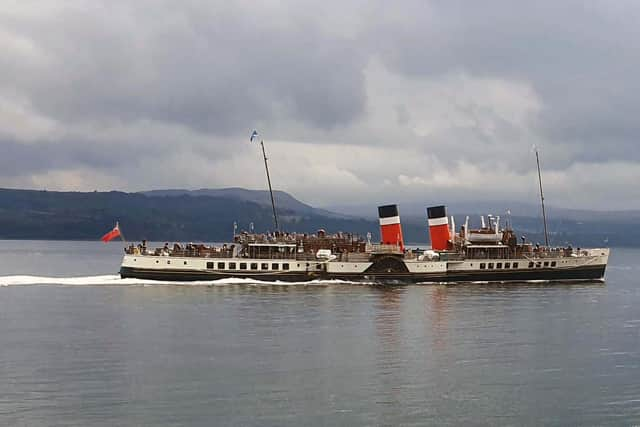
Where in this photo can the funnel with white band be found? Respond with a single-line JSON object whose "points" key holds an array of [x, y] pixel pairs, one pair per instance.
{"points": [[438, 227], [390, 228]]}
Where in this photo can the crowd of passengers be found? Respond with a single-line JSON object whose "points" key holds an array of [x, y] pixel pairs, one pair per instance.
{"points": [[281, 236], [189, 249], [202, 250]]}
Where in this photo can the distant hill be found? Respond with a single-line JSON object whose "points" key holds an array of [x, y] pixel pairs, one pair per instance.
{"points": [[282, 199], [209, 215], [175, 215]]}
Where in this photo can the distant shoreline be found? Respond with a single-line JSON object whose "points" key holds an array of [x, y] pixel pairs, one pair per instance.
{"points": [[210, 215]]}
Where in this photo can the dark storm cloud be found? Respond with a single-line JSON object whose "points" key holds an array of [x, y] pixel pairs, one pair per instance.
{"points": [[214, 69]]}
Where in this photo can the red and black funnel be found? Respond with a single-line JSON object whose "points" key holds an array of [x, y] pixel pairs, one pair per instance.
{"points": [[390, 228], [438, 227]]}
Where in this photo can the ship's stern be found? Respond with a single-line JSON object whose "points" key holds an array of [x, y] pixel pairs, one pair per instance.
{"points": [[127, 267]]}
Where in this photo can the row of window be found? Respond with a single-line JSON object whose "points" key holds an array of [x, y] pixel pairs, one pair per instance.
{"points": [[498, 265], [251, 266], [285, 266], [483, 265], [540, 264]]}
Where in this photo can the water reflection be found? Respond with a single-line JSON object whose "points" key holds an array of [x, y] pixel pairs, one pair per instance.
{"points": [[387, 315], [438, 312], [390, 357]]}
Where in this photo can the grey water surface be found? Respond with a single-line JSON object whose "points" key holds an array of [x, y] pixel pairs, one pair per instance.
{"points": [[79, 347]]}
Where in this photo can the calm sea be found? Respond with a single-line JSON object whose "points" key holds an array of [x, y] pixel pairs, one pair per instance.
{"points": [[80, 347]]}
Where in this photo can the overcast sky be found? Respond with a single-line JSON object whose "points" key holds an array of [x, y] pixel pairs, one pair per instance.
{"points": [[358, 102]]}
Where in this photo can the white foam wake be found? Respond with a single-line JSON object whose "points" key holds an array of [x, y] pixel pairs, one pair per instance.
{"points": [[109, 280], [115, 280]]}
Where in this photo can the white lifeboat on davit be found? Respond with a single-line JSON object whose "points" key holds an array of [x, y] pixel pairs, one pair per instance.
{"points": [[487, 234]]}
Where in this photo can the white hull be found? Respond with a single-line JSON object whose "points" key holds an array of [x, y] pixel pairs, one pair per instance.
{"points": [[589, 265]]}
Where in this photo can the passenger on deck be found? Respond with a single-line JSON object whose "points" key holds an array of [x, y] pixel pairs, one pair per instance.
{"points": [[201, 249]]}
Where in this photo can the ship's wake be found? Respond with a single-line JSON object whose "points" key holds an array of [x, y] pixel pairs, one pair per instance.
{"points": [[115, 280]]}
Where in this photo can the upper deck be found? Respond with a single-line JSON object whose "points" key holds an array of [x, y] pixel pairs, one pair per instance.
{"points": [[348, 247]]}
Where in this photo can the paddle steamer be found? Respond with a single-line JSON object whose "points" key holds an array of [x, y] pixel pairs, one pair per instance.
{"points": [[486, 254]]}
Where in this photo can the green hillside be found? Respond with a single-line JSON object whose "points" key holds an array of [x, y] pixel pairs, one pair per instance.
{"points": [[209, 215]]}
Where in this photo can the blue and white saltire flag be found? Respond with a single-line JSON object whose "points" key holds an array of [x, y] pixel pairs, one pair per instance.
{"points": [[253, 135]]}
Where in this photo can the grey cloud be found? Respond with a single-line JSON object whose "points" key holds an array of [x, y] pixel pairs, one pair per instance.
{"points": [[21, 159], [155, 80], [580, 58], [211, 68]]}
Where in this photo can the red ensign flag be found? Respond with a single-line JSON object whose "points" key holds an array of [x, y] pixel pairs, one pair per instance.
{"points": [[112, 234]]}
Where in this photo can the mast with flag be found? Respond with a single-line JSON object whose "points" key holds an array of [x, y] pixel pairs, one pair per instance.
{"points": [[254, 135]]}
